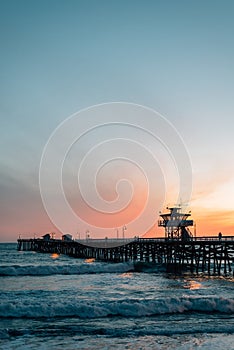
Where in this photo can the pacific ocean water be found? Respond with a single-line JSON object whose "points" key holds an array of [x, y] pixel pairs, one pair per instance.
{"points": [[51, 301]]}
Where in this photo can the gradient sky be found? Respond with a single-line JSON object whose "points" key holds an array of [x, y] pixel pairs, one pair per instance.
{"points": [[58, 57]]}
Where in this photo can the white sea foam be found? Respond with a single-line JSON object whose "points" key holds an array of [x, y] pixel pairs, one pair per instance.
{"points": [[124, 308], [84, 268], [204, 342]]}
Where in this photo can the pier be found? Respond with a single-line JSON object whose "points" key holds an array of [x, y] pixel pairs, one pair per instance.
{"points": [[178, 251], [202, 254]]}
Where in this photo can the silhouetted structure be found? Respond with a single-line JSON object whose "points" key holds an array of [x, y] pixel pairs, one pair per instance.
{"points": [[176, 224], [46, 237], [202, 254]]}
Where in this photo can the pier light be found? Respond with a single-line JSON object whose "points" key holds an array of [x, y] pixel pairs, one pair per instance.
{"points": [[117, 233], [87, 235], [124, 228]]}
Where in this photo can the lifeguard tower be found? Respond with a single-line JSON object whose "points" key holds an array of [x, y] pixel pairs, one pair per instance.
{"points": [[176, 224]]}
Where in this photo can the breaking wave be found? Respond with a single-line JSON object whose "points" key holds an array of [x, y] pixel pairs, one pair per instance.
{"points": [[84, 268], [124, 308]]}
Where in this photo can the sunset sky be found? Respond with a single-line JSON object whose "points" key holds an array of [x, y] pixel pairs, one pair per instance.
{"points": [[58, 57]]}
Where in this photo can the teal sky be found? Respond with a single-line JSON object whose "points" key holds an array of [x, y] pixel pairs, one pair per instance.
{"points": [[58, 57]]}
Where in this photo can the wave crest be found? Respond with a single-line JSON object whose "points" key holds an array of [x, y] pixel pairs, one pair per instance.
{"points": [[125, 308], [45, 270]]}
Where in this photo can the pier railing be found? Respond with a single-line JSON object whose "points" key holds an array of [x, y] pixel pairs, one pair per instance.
{"points": [[197, 238]]}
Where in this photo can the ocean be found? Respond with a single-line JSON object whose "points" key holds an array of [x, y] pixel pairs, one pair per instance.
{"points": [[51, 301]]}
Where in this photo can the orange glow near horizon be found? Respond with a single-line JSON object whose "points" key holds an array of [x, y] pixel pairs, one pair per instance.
{"points": [[112, 219], [208, 223], [210, 220]]}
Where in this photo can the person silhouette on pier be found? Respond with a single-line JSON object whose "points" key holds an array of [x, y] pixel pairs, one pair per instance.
{"points": [[220, 236]]}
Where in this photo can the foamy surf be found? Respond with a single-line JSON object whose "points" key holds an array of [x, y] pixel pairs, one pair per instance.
{"points": [[123, 308], [84, 268]]}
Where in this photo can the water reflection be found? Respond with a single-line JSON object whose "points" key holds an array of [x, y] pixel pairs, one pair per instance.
{"points": [[90, 260], [126, 275], [191, 284], [54, 256]]}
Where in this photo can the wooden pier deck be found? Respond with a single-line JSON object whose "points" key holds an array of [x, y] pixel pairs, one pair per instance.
{"points": [[201, 254]]}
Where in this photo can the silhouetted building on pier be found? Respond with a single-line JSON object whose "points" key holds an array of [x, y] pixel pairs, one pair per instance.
{"points": [[176, 224]]}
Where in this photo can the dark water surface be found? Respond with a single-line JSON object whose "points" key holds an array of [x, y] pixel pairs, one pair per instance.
{"points": [[57, 302]]}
